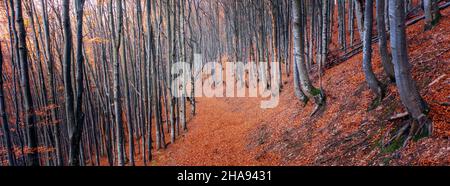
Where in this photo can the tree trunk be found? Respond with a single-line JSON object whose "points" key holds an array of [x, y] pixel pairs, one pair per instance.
{"points": [[359, 17], [325, 25], [30, 118], [409, 93], [371, 79], [384, 53], [432, 13], [306, 85], [51, 83], [351, 19], [117, 37], [6, 134], [77, 129]]}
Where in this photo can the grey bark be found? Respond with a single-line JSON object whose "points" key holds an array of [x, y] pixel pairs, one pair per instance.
{"points": [[325, 25], [51, 82], [371, 79], [77, 129], [30, 118], [409, 93], [127, 96], [4, 115], [432, 13], [359, 17], [308, 89], [117, 37], [384, 53]]}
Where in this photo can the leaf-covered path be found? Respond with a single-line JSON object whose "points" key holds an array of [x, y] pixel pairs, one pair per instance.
{"points": [[217, 135]]}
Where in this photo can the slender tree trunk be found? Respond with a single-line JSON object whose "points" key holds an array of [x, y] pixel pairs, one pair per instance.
{"points": [[51, 83], [183, 59], [432, 14], [371, 79], [169, 75], [6, 133], [384, 53], [351, 19], [117, 37], [67, 64], [143, 84], [30, 117], [359, 17], [127, 95], [324, 43]]}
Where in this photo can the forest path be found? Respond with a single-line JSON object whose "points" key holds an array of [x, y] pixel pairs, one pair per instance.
{"points": [[216, 135]]}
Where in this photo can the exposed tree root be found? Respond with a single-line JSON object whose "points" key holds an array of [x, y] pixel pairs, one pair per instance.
{"points": [[380, 95], [375, 103], [319, 100], [398, 116], [305, 101], [415, 129]]}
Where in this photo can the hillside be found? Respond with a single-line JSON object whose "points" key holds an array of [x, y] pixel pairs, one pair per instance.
{"points": [[235, 131]]}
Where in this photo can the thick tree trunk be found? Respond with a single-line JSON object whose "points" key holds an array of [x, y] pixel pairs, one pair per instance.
{"points": [[77, 128], [306, 86], [275, 40], [409, 93]]}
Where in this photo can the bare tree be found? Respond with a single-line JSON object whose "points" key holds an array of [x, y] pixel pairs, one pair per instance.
{"points": [[3, 114], [51, 81], [409, 93], [117, 35], [371, 79], [382, 36], [30, 118], [308, 89], [432, 14]]}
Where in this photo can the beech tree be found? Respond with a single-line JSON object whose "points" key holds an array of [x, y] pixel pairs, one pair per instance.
{"points": [[28, 105], [382, 36], [432, 13], [407, 88], [117, 36], [299, 60], [51, 81], [371, 79], [6, 133]]}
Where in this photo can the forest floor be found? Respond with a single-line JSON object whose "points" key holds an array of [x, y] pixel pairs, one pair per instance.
{"points": [[236, 131]]}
